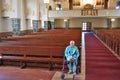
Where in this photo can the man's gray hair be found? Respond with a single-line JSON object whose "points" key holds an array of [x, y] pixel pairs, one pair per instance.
{"points": [[72, 41]]}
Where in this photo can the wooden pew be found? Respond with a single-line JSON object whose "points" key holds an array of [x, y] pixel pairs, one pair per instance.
{"points": [[45, 48], [39, 43], [52, 34], [111, 37], [26, 54]]}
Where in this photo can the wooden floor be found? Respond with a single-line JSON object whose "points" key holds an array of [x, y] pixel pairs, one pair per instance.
{"points": [[15, 73], [12, 71]]}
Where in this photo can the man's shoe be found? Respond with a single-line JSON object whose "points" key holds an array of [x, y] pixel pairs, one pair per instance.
{"points": [[74, 73], [69, 72]]}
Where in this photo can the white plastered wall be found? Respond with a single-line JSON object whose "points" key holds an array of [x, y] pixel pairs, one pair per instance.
{"points": [[59, 23], [115, 24], [6, 25], [16, 10], [97, 22], [32, 12], [5, 12], [43, 12], [77, 22], [22, 14], [31, 9]]}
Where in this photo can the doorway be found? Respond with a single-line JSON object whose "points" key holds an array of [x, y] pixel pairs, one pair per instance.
{"points": [[86, 26]]}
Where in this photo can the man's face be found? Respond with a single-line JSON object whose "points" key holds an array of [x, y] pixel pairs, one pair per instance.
{"points": [[72, 43]]}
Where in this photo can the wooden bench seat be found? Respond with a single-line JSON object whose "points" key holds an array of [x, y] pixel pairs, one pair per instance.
{"points": [[63, 35], [110, 37], [30, 53], [47, 47], [11, 58], [45, 38], [25, 54], [59, 31], [39, 43]]}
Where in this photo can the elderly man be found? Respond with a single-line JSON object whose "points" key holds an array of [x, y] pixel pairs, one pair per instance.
{"points": [[72, 54]]}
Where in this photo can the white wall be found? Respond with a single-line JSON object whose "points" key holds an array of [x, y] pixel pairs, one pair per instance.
{"points": [[13, 10], [22, 14], [116, 23], [29, 24], [6, 8], [18, 9], [31, 9], [36, 9], [59, 23], [6, 25], [97, 22], [43, 12], [77, 22]]}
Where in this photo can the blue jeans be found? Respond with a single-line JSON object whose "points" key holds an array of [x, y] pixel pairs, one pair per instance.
{"points": [[72, 66]]}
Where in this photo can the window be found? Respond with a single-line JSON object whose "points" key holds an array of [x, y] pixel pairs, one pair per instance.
{"points": [[58, 6], [118, 5], [84, 26]]}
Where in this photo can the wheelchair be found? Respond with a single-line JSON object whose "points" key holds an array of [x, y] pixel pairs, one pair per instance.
{"points": [[78, 67]]}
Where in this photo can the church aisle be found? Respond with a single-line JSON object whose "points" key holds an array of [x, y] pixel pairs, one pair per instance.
{"points": [[101, 64]]}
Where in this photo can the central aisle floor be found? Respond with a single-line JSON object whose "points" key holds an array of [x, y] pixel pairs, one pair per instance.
{"points": [[101, 64]]}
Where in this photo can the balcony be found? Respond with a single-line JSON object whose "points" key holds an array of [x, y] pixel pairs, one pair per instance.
{"points": [[84, 13]]}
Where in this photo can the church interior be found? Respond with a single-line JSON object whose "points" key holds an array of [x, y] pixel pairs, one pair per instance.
{"points": [[35, 33]]}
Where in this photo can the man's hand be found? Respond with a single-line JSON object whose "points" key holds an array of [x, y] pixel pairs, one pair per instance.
{"points": [[69, 58]]}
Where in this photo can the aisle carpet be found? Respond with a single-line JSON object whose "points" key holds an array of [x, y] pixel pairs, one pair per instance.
{"points": [[101, 64]]}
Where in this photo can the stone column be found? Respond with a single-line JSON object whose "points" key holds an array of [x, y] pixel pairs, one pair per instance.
{"points": [[47, 25], [35, 25], [109, 23], [44, 15], [16, 26], [52, 25]]}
